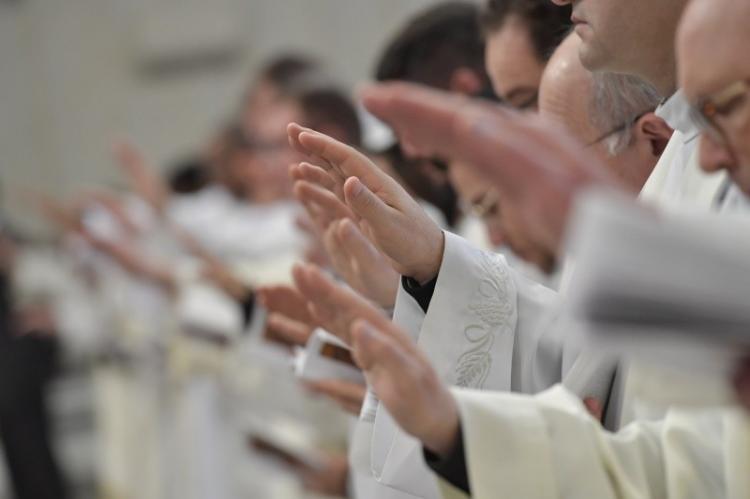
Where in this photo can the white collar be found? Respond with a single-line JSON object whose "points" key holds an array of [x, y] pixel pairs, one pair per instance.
{"points": [[678, 114]]}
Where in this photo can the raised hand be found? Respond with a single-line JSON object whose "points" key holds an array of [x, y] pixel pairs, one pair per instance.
{"points": [[349, 396], [360, 264], [531, 162], [386, 213], [405, 382], [143, 179], [331, 305], [289, 322]]}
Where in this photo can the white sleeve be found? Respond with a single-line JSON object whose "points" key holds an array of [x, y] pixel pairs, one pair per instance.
{"points": [[547, 446], [478, 309]]}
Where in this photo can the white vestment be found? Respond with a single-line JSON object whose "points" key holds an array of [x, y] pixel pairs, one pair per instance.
{"points": [[548, 447], [487, 327]]}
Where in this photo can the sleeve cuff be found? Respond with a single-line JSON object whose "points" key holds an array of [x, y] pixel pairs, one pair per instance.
{"points": [[451, 468], [421, 293]]}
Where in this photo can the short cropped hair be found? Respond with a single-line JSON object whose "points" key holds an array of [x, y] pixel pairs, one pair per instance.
{"points": [[433, 45], [548, 23], [617, 102], [284, 70], [328, 105]]}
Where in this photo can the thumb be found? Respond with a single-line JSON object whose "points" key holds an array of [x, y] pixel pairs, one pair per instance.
{"points": [[365, 203], [355, 243], [377, 352]]}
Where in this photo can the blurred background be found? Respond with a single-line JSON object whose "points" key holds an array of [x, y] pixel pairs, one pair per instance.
{"points": [[95, 392], [81, 74]]}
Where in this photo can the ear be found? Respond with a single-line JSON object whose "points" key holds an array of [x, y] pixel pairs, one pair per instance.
{"points": [[655, 130], [465, 81]]}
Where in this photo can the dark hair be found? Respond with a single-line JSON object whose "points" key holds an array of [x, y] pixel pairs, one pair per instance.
{"points": [[548, 24], [283, 71], [327, 106], [433, 45], [412, 172], [189, 176]]}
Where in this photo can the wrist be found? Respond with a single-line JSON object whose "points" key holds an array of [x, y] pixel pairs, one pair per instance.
{"points": [[441, 439], [431, 266]]}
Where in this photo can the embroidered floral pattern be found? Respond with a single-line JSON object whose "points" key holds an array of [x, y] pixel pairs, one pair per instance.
{"points": [[494, 306]]}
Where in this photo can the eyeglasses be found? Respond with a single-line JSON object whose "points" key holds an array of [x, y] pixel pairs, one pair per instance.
{"points": [[486, 206], [619, 129], [720, 105]]}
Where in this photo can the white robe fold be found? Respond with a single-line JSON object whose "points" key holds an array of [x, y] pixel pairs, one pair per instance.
{"points": [[547, 446]]}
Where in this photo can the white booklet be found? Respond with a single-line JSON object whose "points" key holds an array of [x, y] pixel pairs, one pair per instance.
{"points": [[673, 287]]}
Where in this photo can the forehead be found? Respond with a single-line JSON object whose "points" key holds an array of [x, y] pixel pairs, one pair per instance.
{"points": [[511, 58], [711, 51]]}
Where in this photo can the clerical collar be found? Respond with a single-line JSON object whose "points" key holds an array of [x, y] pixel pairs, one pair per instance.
{"points": [[678, 114]]}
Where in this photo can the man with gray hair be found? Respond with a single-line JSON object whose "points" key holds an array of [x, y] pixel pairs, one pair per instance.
{"points": [[611, 113]]}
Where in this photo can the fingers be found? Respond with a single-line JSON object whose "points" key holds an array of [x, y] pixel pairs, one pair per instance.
{"points": [[282, 329], [285, 300], [349, 396], [375, 349], [323, 206], [354, 243], [347, 160], [293, 132], [334, 306], [313, 174], [339, 258], [366, 204]]}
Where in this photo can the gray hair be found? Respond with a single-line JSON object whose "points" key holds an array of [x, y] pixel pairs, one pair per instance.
{"points": [[617, 102]]}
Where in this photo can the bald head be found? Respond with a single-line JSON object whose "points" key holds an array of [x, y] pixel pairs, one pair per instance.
{"points": [[565, 91], [712, 44], [608, 113]]}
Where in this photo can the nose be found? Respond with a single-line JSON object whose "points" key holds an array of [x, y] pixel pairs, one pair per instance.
{"points": [[715, 156]]}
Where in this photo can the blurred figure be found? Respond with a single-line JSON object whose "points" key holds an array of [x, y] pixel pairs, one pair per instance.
{"points": [[521, 36], [440, 47], [28, 353], [274, 81]]}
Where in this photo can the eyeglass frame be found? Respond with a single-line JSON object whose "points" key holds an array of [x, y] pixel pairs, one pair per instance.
{"points": [[719, 103], [620, 128]]}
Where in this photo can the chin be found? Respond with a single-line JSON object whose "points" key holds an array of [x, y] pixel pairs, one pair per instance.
{"points": [[591, 57]]}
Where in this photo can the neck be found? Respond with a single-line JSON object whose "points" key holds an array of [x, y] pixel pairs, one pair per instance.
{"points": [[663, 74]]}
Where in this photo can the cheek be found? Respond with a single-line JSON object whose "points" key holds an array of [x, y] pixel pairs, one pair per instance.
{"points": [[741, 139]]}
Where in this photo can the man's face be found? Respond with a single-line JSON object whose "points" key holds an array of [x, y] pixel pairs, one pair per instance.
{"points": [[712, 58], [513, 65], [474, 192], [629, 36]]}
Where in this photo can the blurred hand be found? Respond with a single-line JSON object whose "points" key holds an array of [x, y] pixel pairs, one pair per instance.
{"points": [[332, 306], [143, 179], [213, 268], [330, 480], [289, 332], [360, 264], [134, 262], [289, 321], [287, 301], [405, 382], [531, 162], [391, 219], [349, 396]]}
